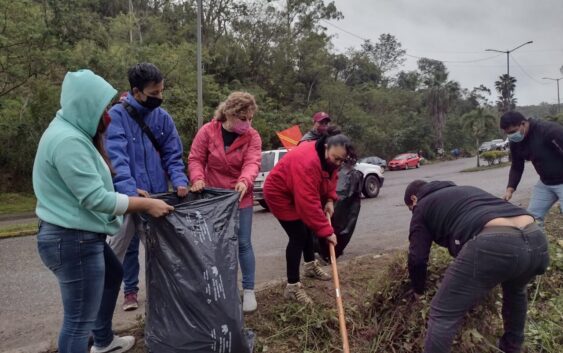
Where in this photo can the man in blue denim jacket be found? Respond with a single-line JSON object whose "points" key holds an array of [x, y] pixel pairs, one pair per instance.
{"points": [[140, 167]]}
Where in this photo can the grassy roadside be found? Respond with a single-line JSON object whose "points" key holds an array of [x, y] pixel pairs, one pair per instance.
{"points": [[383, 318], [13, 203], [485, 167], [18, 230]]}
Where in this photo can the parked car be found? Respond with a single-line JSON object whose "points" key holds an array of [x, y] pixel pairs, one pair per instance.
{"points": [[405, 161], [500, 144], [372, 181], [494, 145], [486, 146], [375, 161]]}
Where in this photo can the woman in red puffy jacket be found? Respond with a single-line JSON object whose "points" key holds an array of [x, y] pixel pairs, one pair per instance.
{"points": [[300, 191], [226, 153]]}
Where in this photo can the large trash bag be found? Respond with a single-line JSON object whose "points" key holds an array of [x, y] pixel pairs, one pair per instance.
{"points": [[193, 302], [346, 211]]}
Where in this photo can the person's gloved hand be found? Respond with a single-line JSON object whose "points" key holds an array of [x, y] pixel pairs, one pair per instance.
{"points": [[143, 193], [332, 239], [508, 194], [241, 187], [182, 191], [197, 186]]}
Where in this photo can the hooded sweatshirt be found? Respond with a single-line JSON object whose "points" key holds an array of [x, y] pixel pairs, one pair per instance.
{"points": [[72, 183], [450, 216]]}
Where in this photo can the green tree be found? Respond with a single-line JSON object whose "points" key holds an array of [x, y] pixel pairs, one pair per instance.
{"points": [[387, 53], [440, 95], [479, 123], [505, 87], [408, 80]]}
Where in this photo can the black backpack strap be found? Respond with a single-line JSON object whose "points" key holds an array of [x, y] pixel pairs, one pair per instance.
{"points": [[139, 120]]}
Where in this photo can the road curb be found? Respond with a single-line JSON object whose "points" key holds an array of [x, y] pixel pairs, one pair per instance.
{"points": [[17, 216], [24, 233]]}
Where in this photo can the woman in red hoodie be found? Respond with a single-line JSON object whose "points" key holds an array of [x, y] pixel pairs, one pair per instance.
{"points": [[300, 191], [226, 153]]}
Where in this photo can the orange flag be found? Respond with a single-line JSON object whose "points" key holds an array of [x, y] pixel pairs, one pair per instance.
{"points": [[290, 137]]}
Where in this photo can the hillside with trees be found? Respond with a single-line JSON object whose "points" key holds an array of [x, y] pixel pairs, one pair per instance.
{"points": [[279, 51]]}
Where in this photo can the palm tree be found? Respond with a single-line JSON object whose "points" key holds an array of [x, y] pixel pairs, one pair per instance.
{"points": [[440, 95], [505, 87], [478, 122]]}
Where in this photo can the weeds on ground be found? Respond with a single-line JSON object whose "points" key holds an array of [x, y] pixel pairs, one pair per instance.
{"points": [[382, 316]]}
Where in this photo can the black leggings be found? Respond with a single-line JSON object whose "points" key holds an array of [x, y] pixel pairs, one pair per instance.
{"points": [[300, 242]]}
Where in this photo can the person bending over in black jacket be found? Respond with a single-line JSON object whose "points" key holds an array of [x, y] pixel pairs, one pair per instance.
{"points": [[493, 242]]}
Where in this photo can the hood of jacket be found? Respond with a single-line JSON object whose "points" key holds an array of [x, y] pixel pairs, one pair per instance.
{"points": [[432, 187], [84, 96]]}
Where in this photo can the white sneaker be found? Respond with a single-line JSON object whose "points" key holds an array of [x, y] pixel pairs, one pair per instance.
{"points": [[118, 345], [249, 301]]}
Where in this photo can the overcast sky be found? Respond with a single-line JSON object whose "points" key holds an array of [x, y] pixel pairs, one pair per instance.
{"points": [[454, 30]]}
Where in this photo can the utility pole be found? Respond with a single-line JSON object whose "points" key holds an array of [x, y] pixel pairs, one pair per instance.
{"points": [[130, 21], [199, 67], [558, 99], [507, 52]]}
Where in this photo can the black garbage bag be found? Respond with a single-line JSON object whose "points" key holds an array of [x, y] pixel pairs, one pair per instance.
{"points": [[193, 302], [346, 211]]}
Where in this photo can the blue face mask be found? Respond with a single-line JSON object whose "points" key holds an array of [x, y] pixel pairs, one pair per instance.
{"points": [[516, 137]]}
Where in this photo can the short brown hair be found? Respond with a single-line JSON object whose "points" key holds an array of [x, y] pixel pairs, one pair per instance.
{"points": [[236, 103]]}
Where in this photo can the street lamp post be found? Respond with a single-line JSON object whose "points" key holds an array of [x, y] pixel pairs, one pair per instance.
{"points": [[558, 100], [507, 52]]}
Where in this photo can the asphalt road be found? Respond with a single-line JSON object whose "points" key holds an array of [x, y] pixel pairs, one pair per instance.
{"points": [[30, 305]]}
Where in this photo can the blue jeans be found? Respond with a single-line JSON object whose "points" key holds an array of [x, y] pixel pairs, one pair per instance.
{"points": [[245, 251], [131, 267], [543, 198], [507, 256], [89, 276]]}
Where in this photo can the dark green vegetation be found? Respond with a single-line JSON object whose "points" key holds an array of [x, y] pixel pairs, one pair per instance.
{"points": [[278, 50]]}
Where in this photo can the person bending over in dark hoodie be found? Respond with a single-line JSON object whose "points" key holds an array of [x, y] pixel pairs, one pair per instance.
{"points": [[493, 241]]}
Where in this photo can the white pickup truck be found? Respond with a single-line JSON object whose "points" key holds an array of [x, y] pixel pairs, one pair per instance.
{"points": [[373, 175]]}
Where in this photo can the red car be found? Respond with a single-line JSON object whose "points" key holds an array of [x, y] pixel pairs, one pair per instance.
{"points": [[404, 161]]}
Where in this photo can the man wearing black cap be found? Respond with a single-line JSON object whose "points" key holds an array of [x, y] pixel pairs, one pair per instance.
{"points": [[493, 241], [541, 142], [320, 126]]}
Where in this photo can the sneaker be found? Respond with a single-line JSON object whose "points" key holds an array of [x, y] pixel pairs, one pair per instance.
{"points": [[314, 270], [118, 345], [130, 302], [249, 301], [296, 293], [322, 260]]}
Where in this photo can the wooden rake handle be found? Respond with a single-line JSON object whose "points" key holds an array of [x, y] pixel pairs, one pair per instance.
{"points": [[339, 305]]}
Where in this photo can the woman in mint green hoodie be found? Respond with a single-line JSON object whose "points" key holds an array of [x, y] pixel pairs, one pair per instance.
{"points": [[78, 207]]}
